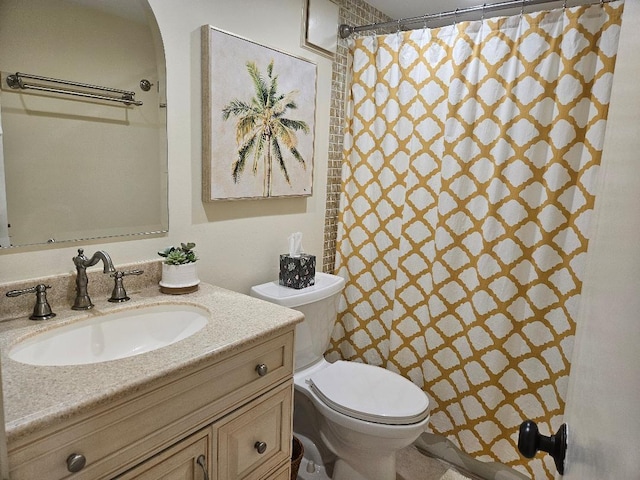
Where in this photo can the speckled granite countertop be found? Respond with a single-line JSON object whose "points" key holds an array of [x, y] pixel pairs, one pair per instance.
{"points": [[36, 396]]}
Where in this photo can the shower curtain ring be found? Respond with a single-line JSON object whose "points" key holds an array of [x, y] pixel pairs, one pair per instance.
{"points": [[455, 17], [564, 5], [522, 8], [484, 5]]}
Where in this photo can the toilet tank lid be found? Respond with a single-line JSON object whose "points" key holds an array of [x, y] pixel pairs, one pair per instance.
{"points": [[325, 286]]}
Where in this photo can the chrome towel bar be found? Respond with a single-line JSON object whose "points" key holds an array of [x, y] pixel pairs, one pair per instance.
{"points": [[16, 81]]}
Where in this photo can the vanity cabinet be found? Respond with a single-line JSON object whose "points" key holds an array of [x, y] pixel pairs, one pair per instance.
{"points": [[232, 414]]}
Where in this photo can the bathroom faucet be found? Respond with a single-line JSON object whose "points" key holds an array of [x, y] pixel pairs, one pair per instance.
{"points": [[82, 301]]}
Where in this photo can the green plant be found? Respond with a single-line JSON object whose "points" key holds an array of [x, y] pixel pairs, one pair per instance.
{"points": [[180, 255]]}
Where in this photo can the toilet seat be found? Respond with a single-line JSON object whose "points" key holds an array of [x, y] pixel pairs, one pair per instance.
{"points": [[370, 393]]}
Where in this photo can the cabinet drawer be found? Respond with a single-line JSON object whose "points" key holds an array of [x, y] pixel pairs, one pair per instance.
{"points": [[282, 474], [121, 434], [256, 439]]}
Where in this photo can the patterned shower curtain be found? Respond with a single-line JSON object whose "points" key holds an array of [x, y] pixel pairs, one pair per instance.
{"points": [[471, 159]]}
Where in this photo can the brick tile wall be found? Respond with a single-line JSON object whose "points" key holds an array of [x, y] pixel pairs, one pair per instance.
{"points": [[352, 12]]}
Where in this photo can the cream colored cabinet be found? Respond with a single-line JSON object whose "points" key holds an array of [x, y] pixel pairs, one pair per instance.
{"points": [[254, 440], [249, 444], [234, 409], [189, 459], [282, 474]]}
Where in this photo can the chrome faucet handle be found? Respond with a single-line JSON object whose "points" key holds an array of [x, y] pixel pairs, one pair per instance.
{"points": [[42, 309], [119, 294]]}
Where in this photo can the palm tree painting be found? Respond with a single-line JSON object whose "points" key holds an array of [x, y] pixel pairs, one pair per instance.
{"points": [[263, 128], [258, 120]]}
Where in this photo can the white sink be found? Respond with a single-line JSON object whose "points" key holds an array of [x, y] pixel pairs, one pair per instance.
{"points": [[111, 336]]}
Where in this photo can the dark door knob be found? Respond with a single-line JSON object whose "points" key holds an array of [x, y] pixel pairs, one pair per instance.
{"points": [[530, 442]]}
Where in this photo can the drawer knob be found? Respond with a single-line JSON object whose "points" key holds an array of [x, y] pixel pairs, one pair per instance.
{"points": [[76, 462], [262, 369], [260, 447]]}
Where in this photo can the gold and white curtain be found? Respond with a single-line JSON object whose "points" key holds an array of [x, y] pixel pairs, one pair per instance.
{"points": [[471, 159]]}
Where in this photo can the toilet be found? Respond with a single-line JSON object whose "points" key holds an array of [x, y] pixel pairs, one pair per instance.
{"points": [[352, 418]]}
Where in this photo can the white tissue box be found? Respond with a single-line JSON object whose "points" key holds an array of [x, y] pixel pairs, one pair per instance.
{"points": [[297, 271]]}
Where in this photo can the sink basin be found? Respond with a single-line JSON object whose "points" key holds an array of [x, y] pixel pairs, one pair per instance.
{"points": [[111, 336]]}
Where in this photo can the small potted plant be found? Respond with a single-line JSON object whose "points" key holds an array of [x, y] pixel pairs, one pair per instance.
{"points": [[179, 272]]}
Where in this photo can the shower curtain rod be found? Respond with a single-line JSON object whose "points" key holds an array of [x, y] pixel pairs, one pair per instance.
{"points": [[346, 30]]}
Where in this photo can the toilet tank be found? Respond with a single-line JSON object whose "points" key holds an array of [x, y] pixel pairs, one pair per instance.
{"points": [[318, 303]]}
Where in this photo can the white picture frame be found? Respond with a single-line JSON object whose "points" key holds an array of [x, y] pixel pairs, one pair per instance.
{"points": [[236, 162]]}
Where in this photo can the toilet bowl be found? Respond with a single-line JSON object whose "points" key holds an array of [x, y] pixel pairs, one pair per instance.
{"points": [[351, 417]]}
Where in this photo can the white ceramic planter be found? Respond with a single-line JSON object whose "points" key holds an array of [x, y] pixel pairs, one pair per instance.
{"points": [[179, 276]]}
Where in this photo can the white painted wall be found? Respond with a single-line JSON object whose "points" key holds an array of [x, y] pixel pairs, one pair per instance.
{"points": [[604, 387], [238, 242]]}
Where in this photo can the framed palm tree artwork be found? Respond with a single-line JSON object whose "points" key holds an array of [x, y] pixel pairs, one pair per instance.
{"points": [[258, 120]]}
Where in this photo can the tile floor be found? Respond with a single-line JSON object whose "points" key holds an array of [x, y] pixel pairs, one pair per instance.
{"points": [[414, 465]]}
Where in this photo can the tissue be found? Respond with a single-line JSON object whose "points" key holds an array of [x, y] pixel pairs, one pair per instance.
{"points": [[297, 269], [295, 244]]}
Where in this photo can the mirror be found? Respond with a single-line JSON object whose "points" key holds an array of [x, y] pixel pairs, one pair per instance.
{"points": [[72, 166]]}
